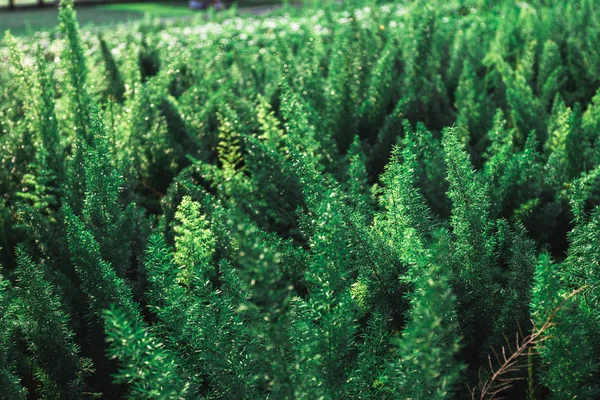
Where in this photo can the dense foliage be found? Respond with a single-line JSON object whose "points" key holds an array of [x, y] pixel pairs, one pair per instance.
{"points": [[357, 201]]}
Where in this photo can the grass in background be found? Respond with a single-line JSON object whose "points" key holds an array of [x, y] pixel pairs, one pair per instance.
{"points": [[23, 22], [154, 9], [4, 3]]}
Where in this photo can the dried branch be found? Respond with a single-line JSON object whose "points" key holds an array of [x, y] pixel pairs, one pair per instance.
{"points": [[498, 382]]}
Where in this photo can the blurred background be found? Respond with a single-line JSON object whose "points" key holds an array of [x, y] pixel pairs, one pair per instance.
{"points": [[23, 17]]}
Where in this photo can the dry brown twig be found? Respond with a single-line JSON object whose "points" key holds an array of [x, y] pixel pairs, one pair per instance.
{"points": [[498, 382]]}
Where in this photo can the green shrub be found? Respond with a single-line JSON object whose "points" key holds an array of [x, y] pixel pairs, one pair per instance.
{"points": [[360, 201]]}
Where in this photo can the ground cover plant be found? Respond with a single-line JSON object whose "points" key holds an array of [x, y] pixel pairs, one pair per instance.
{"points": [[359, 200]]}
